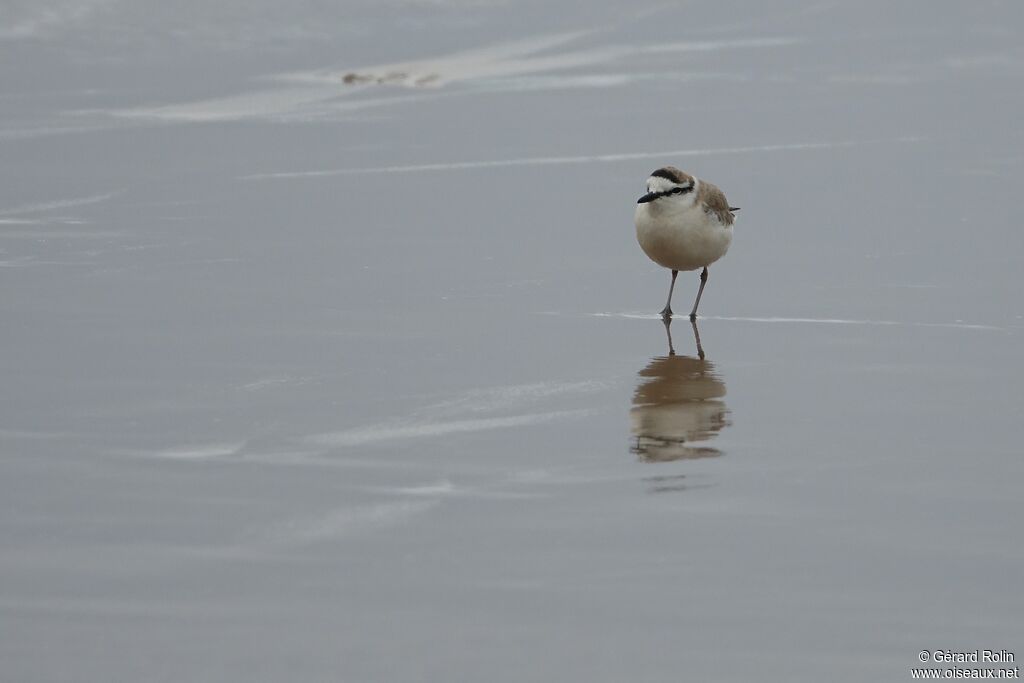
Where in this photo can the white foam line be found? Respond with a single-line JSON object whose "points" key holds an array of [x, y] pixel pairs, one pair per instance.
{"points": [[311, 95], [507, 398], [347, 521], [844, 321], [551, 161], [808, 321], [47, 234], [282, 105], [388, 432], [45, 131], [30, 434], [201, 452], [440, 488], [57, 204], [634, 316], [446, 489], [714, 45]]}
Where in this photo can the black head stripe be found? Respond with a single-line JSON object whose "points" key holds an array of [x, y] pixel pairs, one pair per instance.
{"points": [[668, 174], [683, 189]]}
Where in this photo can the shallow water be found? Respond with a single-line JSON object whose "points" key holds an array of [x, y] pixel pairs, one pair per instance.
{"points": [[315, 380]]}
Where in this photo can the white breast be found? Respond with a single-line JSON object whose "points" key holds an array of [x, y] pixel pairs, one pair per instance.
{"points": [[681, 240]]}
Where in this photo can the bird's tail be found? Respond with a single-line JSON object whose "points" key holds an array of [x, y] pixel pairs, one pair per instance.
{"points": [[734, 209]]}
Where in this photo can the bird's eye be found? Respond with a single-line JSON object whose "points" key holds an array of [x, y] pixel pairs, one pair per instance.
{"points": [[677, 190]]}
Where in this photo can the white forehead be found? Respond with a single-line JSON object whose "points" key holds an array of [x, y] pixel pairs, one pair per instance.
{"points": [[658, 184]]}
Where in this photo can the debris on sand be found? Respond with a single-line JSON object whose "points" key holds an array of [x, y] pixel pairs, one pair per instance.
{"points": [[393, 78]]}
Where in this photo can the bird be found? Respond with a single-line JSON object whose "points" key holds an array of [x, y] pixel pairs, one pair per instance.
{"points": [[683, 223]]}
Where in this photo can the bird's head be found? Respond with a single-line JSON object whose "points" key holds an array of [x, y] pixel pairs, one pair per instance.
{"points": [[669, 187]]}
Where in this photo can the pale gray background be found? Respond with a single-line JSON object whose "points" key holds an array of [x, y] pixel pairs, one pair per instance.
{"points": [[307, 381]]}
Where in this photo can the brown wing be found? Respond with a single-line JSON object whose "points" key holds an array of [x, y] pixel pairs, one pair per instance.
{"points": [[715, 202]]}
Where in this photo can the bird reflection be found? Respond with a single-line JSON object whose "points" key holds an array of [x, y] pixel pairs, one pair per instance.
{"points": [[678, 406]]}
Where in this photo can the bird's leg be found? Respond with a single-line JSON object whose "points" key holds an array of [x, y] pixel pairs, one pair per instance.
{"points": [[668, 333], [696, 336], [667, 311], [703, 281]]}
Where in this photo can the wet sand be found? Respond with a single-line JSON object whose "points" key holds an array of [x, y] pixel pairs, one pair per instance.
{"points": [[310, 379]]}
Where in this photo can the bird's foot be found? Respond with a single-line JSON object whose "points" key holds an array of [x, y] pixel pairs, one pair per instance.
{"points": [[693, 317], [666, 313]]}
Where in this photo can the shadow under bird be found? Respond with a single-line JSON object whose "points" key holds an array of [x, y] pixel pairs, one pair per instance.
{"points": [[683, 223]]}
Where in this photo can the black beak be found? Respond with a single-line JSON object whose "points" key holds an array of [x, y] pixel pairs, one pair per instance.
{"points": [[649, 197]]}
